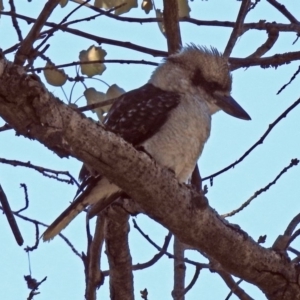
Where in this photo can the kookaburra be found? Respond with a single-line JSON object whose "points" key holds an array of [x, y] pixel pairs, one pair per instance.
{"points": [[169, 117]]}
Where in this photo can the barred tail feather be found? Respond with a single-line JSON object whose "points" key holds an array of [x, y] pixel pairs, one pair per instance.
{"points": [[102, 192]]}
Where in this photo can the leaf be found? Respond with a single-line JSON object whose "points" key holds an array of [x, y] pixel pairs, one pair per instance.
{"points": [[114, 91], [161, 25], [63, 3], [54, 76], [92, 54], [147, 6], [92, 96], [109, 4], [183, 8]]}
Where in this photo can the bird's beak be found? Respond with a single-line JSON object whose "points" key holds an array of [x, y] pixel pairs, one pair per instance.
{"points": [[230, 106]]}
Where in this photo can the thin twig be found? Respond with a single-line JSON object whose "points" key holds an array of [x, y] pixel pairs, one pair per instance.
{"points": [[234, 287], [265, 62], [194, 279], [42, 170], [79, 63], [262, 25], [23, 185], [50, 33], [237, 30], [156, 257], [293, 237], [26, 46], [291, 80], [292, 225], [259, 142], [273, 35], [10, 217], [294, 162], [14, 20], [168, 254], [284, 58], [45, 225], [33, 291], [37, 239], [284, 11], [291, 249]]}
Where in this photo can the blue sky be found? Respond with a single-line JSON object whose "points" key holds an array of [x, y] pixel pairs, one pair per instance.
{"points": [[254, 88]]}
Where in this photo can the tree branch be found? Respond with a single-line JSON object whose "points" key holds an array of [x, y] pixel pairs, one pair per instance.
{"points": [[10, 218], [26, 45], [118, 253], [35, 113], [238, 27]]}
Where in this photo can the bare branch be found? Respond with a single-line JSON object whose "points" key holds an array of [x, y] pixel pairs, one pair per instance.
{"points": [[262, 25], [42, 170], [37, 239], [23, 185], [294, 162], [10, 218], [94, 278], [26, 46], [168, 254], [35, 288], [14, 20], [118, 253], [194, 279], [79, 63], [171, 23], [293, 237], [179, 270], [156, 257], [45, 225], [265, 62], [284, 11], [259, 142], [292, 225], [237, 30], [234, 286], [35, 113], [273, 35], [291, 80]]}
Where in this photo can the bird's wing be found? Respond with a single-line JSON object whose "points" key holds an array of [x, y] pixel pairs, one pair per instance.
{"points": [[139, 114], [135, 116]]}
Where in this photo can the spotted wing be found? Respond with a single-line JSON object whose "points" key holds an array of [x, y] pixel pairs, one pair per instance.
{"points": [[139, 114]]}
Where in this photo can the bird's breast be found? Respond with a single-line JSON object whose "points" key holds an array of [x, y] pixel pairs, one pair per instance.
{"points": [[179, 142]]}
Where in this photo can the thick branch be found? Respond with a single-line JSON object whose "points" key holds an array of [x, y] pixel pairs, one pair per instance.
{"points": [[94, 278], [33, 112], [118, 253], [171, 22]]}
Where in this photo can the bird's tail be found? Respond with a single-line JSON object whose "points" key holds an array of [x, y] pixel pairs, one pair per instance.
{"points": [[101, 192]]}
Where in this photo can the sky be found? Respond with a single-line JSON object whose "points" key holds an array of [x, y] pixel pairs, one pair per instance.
{"points": [[254, 88]]}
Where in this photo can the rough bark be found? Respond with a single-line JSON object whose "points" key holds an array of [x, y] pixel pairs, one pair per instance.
{"points": [[33, 112], [118, 254]]}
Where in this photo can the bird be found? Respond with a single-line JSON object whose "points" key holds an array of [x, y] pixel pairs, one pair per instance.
{"points": [[169, 118]]}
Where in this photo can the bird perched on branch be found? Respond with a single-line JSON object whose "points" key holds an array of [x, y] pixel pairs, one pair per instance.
{"points": [[169, 117]]}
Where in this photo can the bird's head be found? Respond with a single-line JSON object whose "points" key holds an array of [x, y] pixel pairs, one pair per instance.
{"points": [[203, 73]]}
